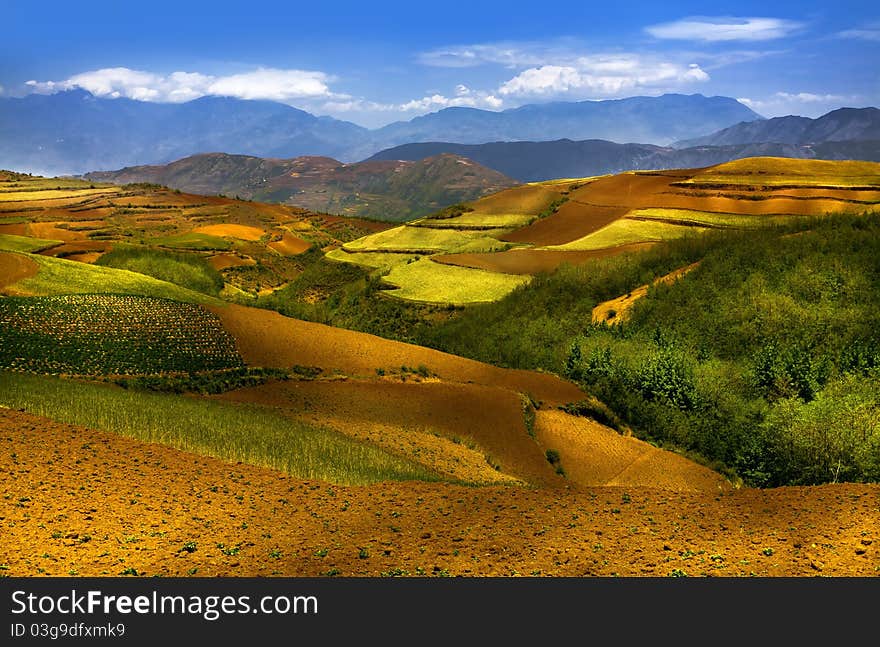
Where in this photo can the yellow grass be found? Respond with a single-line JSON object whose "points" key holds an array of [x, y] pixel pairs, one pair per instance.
{"points": [[30, 196], [626, 231], [773, 171], [474, 219], [429, 282], [374, 260], [709, 218], [415, 239]]}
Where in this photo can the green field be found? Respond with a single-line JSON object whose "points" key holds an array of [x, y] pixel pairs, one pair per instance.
{"points": [[59, 276], [250, 434], [180, 268], [374, 260], [429, 282], [25, 244], [626, 231], [196, 242], [100, 334]]}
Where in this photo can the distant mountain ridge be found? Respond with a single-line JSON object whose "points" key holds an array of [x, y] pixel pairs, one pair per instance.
{"points": [[385, 190], [74, 132], [536, 161], [845, 124]]}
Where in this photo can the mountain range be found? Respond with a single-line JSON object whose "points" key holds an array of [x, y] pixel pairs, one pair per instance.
{"points": [[74, 132], [845, 124], [840, 135], [384, 190]]}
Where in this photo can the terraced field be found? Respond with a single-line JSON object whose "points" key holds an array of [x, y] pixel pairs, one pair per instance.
{"points": [[79, 220], [537, 227]]}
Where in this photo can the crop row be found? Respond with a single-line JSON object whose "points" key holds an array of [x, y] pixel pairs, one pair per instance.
{"points": [[102, 334]]}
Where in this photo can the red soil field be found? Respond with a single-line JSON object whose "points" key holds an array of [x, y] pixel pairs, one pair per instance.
{"points": [[290, 245], [532, 261], [123, 504]]}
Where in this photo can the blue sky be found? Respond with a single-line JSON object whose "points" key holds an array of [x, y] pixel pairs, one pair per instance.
{"points": [[378, 62]]}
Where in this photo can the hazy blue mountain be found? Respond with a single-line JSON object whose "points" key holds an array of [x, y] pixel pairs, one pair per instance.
{"points": [[647, 120], [535, 161], [75, 132], [845, 124]]}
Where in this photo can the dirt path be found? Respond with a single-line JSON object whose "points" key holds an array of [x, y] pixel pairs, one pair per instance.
{"points": [[82, 502], [616, 310]]}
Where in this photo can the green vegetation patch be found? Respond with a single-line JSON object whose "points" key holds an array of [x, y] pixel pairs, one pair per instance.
{"points": [[250, 434], [60, 276], [25, 244], [99, 334], [429, 282], [186, 270], [196, 242]]}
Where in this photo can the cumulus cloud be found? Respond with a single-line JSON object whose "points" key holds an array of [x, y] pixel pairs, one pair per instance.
{"points": [[464, 98], [807, 104], [602, 75], [725, 29], [262, 83]]}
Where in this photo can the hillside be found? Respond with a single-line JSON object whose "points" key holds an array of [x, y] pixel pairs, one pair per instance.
{"points": [[393, 191], [208, 242], [482, 251], [843, 125], [546, 160]]}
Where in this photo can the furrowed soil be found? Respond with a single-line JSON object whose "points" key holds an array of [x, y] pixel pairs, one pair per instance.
{"points": [[532, 261], [266, 338], [79, 501]]}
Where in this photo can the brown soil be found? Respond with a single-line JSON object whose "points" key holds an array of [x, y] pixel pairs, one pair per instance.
{"points": [[573, 220], [266, 338], [487, 419], [15, 267], [243, 232], [290, 245], [592, 454], [51, 231], [81, 248], [223, 261], [83, 502], [533, 261], [621, 306]]}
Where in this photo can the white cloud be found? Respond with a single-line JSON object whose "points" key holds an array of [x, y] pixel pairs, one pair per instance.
{"points": [[510, 54], [868, 32], [469, 99], [807, 104], [262, 83], [601, 76], [725, 29]]}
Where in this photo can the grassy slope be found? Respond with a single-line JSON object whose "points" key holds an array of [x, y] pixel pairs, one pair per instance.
{"points": [[25, 244], [186, 270], [774, 325], [231, 432], [429, 282], [59, 276]]}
